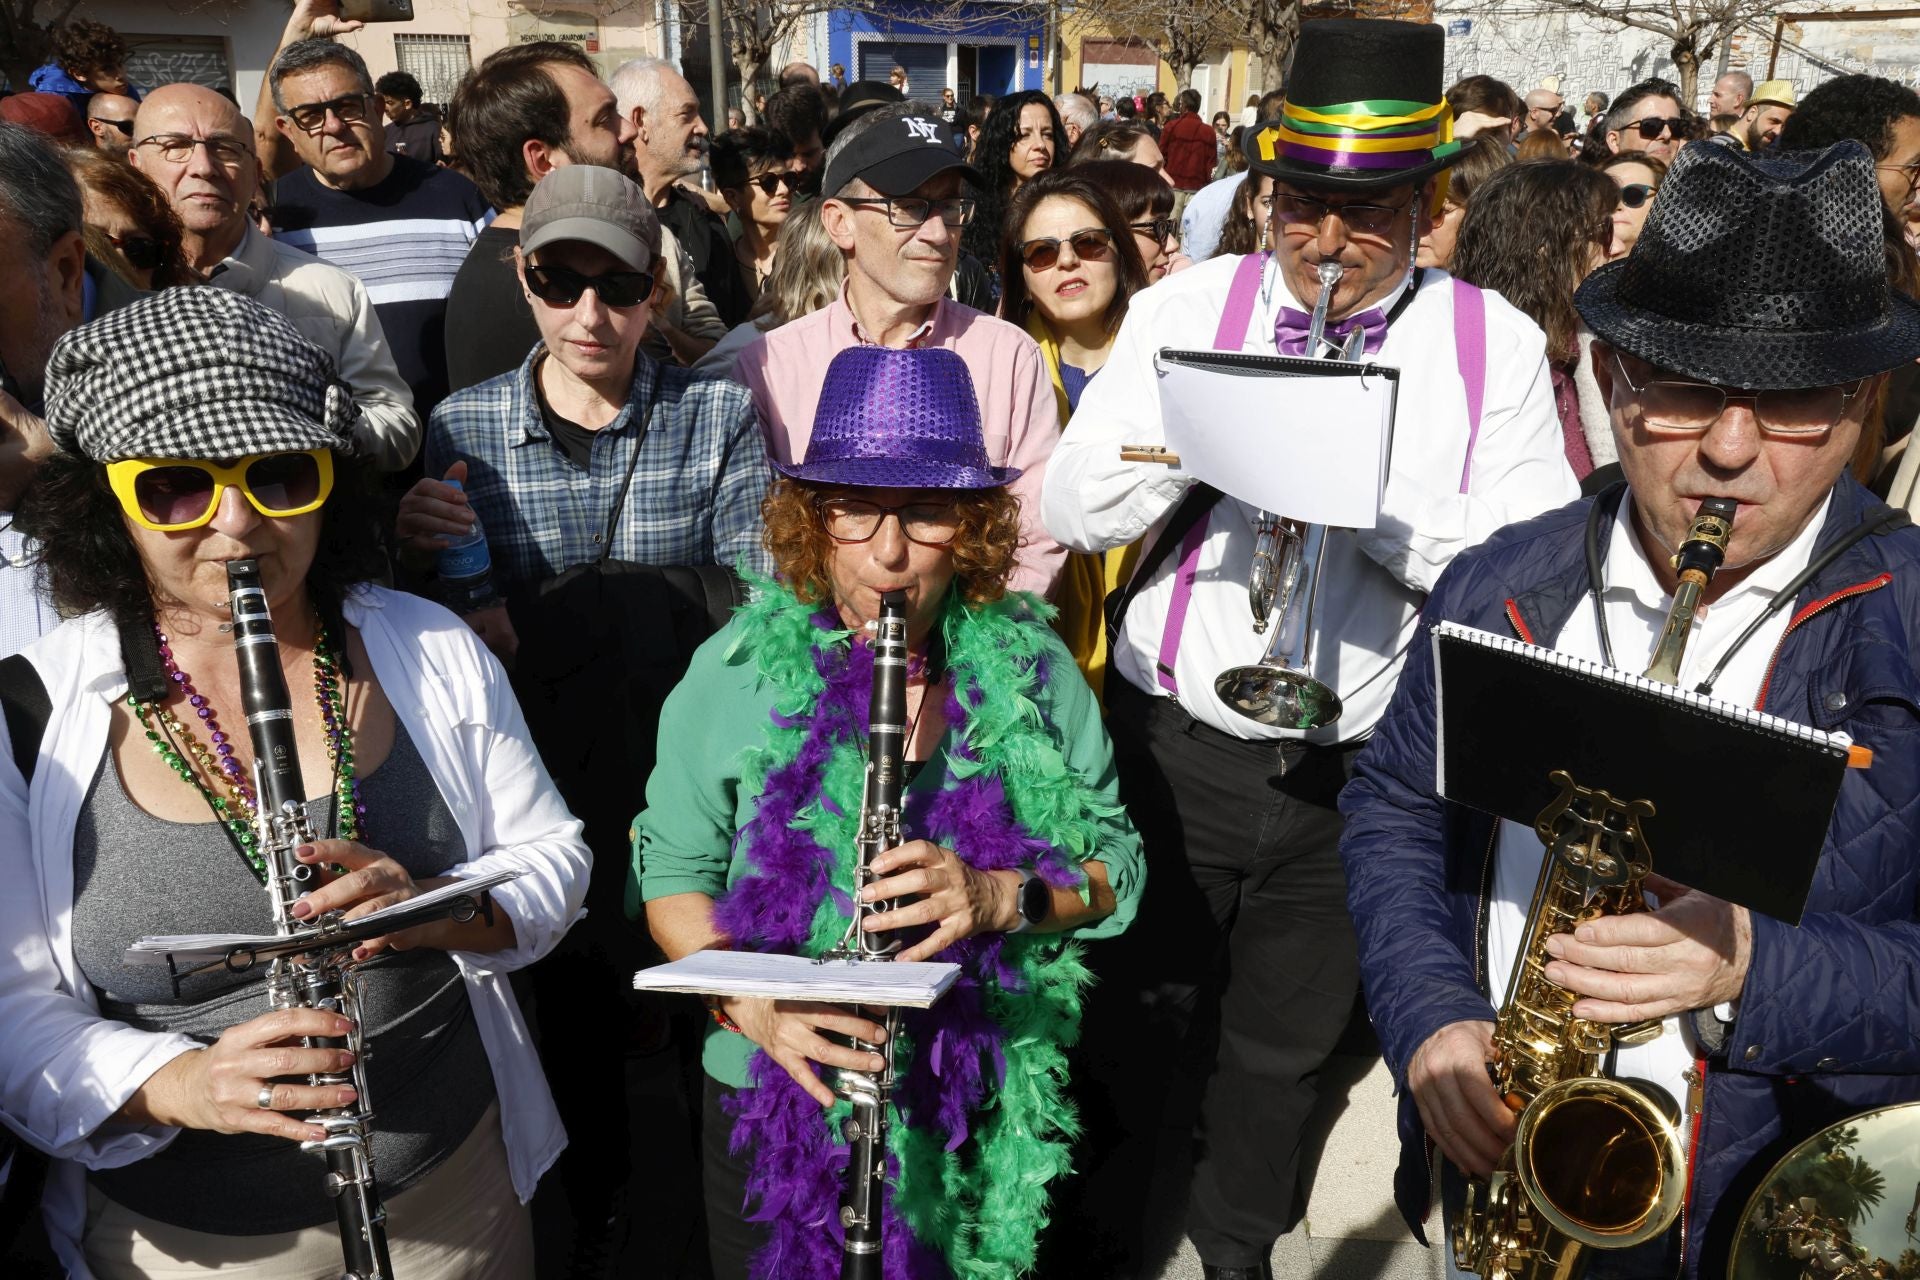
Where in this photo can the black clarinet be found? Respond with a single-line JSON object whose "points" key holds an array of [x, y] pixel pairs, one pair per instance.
{"points": [[863, 1196], [319, 979]]}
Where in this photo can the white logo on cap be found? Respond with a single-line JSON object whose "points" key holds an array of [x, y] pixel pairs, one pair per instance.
{"points": [[922, 128]]}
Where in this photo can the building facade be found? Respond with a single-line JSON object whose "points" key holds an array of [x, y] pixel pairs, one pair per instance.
{"points": [[971, 48]]}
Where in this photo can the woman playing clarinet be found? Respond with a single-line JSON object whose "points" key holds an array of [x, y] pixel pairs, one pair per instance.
{"points": [[1014, 843], [197, 429]]}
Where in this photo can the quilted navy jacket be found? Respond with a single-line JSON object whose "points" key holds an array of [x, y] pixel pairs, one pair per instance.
{"points": [[1829, 1021]]}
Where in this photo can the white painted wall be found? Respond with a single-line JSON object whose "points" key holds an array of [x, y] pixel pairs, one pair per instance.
{"points": [[251, 30]]}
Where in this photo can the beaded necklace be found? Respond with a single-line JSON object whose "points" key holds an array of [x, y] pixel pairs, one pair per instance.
{"points": [[236, 811]]}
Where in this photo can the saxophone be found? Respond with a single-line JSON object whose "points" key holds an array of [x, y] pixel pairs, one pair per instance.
{"points": [[1595, 1162]]}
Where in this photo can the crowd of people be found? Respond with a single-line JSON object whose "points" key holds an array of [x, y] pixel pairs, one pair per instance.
{"points": [[580, 446]]}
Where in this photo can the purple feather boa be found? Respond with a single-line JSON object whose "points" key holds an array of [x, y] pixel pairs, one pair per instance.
{"points": [[949, 1058]]}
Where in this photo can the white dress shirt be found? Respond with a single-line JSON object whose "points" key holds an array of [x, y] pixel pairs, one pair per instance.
{"points": [[65, 1070], [1372, 582], [26, 610], [1637, 607]]}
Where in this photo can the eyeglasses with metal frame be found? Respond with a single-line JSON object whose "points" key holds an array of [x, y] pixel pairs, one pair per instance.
{"points": [[1675, 406]]}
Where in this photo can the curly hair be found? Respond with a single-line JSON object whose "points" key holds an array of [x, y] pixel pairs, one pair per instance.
{"points": [[993, 157], [1864, 108], [91, 563], [135, 194], [82, 47], [1075, 184], [1530, 234], [982, 550]]}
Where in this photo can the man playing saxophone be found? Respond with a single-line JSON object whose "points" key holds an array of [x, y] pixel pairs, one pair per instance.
{"points": [[1237, 813], [1741, 347]]}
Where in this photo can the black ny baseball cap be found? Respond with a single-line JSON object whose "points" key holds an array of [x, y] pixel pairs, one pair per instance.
{"points": [[895, 156]]}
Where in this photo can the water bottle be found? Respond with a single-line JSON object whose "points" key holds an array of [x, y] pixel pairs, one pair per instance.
{"points": [[466, 568]]}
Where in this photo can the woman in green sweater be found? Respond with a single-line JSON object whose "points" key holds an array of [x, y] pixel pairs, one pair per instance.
{"points": [[1016, 841]]}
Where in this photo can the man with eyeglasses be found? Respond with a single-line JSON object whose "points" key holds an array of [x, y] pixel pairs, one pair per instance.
{"points": [[1648, 118], [1715, 389], [1246, 920], [401, 226], [110, 121], [895, 197], [198, 149]]}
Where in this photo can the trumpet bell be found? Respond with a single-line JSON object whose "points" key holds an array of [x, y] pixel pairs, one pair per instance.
{"points": [[1278, 697]]}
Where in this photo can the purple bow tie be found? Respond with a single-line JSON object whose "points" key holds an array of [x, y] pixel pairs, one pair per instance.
{"points": [[1290, 330]]}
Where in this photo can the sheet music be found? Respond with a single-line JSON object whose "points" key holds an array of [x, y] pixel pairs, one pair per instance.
{"points": [[198, 948], [1307, 439], [755, 974]]}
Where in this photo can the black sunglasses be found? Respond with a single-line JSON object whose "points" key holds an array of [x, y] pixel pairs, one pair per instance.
{"points": [[1653, 126], [1159, 229], [771, 182], [311, 117], [1090, 244], [1635, 194], [124, 126], [563, 287], [143, 252]]}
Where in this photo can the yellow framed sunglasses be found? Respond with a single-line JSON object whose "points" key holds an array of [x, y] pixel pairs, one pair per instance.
{"points": [[171, 494]]}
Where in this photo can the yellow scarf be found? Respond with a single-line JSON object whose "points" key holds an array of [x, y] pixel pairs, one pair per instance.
{"points": [[1088, 576]]}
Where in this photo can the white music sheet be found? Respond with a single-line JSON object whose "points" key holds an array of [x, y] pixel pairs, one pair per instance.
{"points": [[1310, 440], [756, 974]]}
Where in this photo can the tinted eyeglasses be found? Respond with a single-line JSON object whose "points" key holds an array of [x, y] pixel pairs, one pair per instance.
{"points": [[170, 494], [144, 252], [312, 116], [931, 524], [1653, 126], [1159, 230], [1635, 194], [912, 211], [563, 287], [124, 126], [1674, 407], [177, 148], [1090, 244], [1298, 214], [771, 182]]}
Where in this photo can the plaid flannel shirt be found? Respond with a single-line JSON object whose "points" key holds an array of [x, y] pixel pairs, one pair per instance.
{"points": [[697, 486]]}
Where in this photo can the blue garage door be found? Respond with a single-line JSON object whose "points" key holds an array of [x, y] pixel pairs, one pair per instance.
{"points": [[926, 65]]}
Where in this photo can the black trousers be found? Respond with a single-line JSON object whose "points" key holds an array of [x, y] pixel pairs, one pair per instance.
{"points": [[1231, 988], [731, 1239]]}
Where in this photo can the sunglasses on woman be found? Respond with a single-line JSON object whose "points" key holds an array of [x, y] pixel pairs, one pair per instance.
{"points": [[170, 494], [771, 182], [143, 252], [1091, 244], [1635, 194], [1159, 230], [562, 287]]}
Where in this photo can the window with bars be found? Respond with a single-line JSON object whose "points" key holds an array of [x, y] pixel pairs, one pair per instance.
{"points": [[437, 62]]}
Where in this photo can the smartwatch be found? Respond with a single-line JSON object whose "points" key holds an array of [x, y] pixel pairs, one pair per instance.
{"points": [[1033, 901]]}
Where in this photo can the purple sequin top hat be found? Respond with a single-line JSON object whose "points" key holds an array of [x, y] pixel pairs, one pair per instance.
{"points": [[898, 419]]}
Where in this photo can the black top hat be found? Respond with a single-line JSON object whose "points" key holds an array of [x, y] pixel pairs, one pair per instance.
{"points": [[1364, 110], [1759, 272]]}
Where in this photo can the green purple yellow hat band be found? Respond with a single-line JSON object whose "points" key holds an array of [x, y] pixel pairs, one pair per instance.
{"points": [[1375, 134]]}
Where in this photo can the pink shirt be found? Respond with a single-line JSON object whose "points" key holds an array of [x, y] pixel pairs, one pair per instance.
{"points": [[785, 369]]}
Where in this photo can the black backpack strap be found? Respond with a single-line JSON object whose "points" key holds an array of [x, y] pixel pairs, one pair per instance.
{"points": [[23, 697], [1193, 508]]}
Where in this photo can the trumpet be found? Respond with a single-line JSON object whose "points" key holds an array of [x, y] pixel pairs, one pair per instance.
{"points": [[1277, 690]]}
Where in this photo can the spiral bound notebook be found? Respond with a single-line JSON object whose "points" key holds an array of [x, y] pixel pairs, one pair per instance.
{"points": [[1741, 799]]}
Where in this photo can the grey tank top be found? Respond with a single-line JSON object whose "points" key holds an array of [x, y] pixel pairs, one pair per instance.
{"points": [[428, 1077]]}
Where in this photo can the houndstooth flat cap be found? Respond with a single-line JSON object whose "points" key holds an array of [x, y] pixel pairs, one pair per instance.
{"points": [[194, 372]]}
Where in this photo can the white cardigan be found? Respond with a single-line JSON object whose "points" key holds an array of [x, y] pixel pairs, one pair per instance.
{"points": [[65, 1070]]}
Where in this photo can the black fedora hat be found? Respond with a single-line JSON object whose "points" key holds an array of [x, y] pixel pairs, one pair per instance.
{"points": [[856, 100], [1364, 110], [1759, 272]]}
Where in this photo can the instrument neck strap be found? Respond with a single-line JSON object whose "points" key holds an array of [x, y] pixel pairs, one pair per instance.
{"points": [[1879, 519]]}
